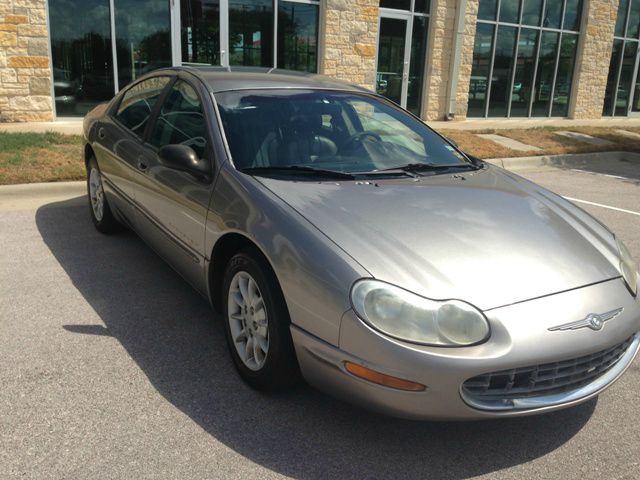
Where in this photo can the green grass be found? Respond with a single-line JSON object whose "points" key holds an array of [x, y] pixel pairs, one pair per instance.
{"points": [[40, 157]]}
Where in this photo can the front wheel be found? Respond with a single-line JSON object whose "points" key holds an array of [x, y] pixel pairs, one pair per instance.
{"points": [[101, 215], [257, 324]]}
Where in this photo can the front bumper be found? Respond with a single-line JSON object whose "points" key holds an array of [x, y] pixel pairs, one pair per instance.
{"points": [[520, 337]]}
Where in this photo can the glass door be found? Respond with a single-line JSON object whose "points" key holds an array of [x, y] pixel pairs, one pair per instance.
{"points": [[393, 57]]}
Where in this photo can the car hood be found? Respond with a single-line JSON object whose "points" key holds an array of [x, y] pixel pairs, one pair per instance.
{"points": [[488, 237]]}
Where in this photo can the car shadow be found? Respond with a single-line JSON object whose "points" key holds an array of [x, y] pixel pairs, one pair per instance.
{"points": [[170, 332], [624, 166]]}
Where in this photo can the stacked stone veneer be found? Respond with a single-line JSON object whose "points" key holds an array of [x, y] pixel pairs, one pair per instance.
{"points": [[593, 58], [350, 31], [25, 74]]}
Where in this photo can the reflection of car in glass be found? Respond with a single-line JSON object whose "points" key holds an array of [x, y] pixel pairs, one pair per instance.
{"points": [[64, 88], [340, 237]]}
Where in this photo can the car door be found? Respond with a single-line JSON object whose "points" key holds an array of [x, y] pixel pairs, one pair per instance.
{"points": [[119, 140], [174, 204]]}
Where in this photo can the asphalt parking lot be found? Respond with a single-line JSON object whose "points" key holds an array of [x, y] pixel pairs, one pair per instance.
{"points": [[113, 367]]}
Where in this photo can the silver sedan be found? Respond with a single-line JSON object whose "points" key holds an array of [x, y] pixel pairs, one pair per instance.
{"points": [[345, 242]]}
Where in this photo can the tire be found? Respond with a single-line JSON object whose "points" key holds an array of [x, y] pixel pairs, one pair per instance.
{"points": [[263, 355], [99, 209]]}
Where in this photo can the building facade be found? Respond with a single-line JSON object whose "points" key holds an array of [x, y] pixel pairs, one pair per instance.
{"points": [[440, 59]]}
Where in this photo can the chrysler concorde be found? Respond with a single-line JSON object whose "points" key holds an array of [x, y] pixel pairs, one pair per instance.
{"points": [[346, 243]]}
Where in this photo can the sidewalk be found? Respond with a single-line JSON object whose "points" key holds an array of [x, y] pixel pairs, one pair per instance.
{"points": [[74, 127], [520, 123], [68, 127]]}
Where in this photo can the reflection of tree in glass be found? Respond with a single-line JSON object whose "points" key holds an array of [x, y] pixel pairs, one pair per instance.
{"points": [[297, 36]]}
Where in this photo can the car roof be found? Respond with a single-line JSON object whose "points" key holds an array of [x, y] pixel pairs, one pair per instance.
{"points": [[221, 79]]}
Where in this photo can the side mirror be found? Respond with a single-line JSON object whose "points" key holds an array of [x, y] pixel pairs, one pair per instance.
{"points": [[183, 158]]}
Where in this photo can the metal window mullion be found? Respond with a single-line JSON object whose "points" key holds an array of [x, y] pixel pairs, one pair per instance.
{"points": [[176, 30], [533, 27], [50, 53], [406, 61], [112, 20], [618, 75], [494, 42], [513, 73], [275, 33], [634, 79], [224, 33], [555, 70], [515, 60], [626, 21], [555, 76], [535, 67]]}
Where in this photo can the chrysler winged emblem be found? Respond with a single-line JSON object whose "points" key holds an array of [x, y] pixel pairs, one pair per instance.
{"points": [[594, 321]]}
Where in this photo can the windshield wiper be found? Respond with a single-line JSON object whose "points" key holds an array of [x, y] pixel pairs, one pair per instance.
{"points": [[429, 167], [319, 172]]}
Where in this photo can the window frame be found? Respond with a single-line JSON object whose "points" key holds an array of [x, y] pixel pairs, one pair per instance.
{"points": [[113, 111], [625, 38], [211, 152], [496, 23]]}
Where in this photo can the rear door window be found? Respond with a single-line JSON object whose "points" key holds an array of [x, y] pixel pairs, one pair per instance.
{"points": [[137, 104]]}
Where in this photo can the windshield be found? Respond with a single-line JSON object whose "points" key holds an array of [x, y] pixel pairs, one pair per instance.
{"points": [[338, 131]]}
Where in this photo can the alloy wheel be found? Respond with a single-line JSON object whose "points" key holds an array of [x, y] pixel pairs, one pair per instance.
{"points": [[96, 193], [248, 321]]}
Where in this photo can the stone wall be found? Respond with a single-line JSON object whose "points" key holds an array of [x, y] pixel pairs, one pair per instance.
{"points": [[440, 58], [593, 57], [349, 33], [25, 76]]}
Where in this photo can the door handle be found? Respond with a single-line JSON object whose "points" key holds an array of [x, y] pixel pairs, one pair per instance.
{"points": [[142, 165], [101, 133]]}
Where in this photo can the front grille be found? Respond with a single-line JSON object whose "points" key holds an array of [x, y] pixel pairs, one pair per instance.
{"points": [[546, 379]]}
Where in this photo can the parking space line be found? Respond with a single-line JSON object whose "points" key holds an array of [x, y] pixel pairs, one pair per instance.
{"points": [[600, 174], [603, 206]]}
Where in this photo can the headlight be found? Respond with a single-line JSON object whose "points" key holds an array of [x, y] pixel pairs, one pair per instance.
{"points": [[628, 268], [407, 316]]}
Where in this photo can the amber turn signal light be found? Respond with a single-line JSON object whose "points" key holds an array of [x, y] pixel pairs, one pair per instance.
{"points": [[382, 379]]}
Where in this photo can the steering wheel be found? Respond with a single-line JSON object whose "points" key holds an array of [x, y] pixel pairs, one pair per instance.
{"points": [[351, 142]]}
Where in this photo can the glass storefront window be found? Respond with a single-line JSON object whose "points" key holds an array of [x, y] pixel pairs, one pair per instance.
{"points": [[81, 55], [509, 11], [416, 68], [564, 77], [571, 15], [251, 32], [532, 12], [544, 75], [82, 46], [397, 4], [391, 44], [502, 68], [529, 61], [143, 37], [553, 14], [480, 70], [525, 66], [200, 32], [622, 96], [297, 36], [487, 9]]}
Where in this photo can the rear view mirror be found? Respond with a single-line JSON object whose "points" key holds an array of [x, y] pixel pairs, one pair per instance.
{"points": [[183, 158]]}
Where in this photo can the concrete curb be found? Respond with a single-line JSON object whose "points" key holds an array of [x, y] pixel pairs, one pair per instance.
{"points": [[573, 160], [33, 195]]}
